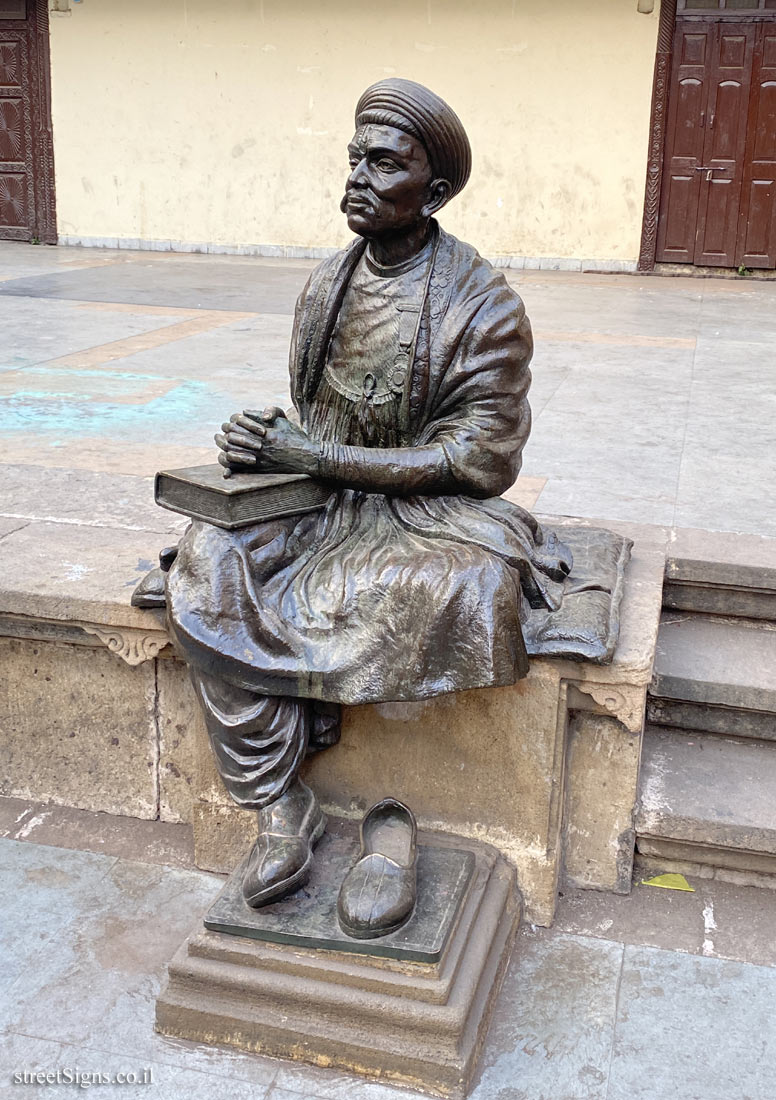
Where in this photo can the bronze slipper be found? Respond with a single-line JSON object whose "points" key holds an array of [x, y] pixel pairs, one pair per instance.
{"points": [[379, 892]]}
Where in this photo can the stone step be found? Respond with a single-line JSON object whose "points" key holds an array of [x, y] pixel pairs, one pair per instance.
{"points": [[705, 718], [721, 574], [708, 799], [715, 675]]}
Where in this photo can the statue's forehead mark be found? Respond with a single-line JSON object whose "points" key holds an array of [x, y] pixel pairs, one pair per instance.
{"points": [[364, 134], [370, 136]]}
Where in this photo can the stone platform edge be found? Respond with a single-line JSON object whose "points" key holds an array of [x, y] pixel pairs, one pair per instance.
{"points": [[101, 716]]}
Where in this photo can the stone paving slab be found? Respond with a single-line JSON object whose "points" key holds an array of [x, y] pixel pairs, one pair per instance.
{"points": [[36, 330], [54, 888], [92, 986], [586, 1012], [716, 919], [553, 1035], [104, 834], [653, 398], [15, 262], [248, 286], [691, 1028]]}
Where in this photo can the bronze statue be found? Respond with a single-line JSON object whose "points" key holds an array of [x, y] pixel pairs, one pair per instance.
{"points": [[409, 379]]}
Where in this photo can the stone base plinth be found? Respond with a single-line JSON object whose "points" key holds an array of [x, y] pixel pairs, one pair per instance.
{"points": [[419, 1024]]}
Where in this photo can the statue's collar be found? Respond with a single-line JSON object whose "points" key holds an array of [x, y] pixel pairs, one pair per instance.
{"points": [[391, 271]]}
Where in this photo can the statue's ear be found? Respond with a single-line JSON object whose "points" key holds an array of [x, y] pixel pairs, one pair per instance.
{"points": [[438, 194]]}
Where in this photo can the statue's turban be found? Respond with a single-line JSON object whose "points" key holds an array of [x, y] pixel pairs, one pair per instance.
{"points": [[416, 110]]}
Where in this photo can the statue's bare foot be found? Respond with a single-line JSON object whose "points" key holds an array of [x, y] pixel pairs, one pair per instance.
{"points": [[282, 856]]}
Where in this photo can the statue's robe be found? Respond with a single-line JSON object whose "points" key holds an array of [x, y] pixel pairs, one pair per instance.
{"points": [[383, 595]]}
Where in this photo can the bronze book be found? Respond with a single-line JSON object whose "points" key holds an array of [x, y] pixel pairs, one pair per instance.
{"points": [[203, 492]]}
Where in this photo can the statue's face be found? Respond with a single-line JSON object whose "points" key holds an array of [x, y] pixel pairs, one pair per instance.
{"points": [[388, 186]]}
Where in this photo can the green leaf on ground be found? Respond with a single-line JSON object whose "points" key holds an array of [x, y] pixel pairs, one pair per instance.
{"points": [[669, 882]]}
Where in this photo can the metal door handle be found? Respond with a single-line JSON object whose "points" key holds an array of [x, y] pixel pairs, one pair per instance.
{"points": [[705, 168]]}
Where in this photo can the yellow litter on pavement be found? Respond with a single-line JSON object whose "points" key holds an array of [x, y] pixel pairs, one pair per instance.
{"points": [[669, 882]]}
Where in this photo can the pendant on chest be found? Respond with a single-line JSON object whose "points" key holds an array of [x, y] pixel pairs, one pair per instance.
{"points": [[388, 370]]}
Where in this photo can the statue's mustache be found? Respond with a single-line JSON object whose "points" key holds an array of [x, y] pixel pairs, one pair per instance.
{"points": [[360, 198]]}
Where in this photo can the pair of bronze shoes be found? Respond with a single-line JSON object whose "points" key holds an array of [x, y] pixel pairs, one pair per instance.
{"points": [[378, 894]]}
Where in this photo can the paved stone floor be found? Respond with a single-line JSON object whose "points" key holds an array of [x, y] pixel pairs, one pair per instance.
{"points": [[654, 402], [654, 399], [659, 996]]}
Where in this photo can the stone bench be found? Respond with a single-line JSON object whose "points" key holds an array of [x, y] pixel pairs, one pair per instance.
{"points": [[100, 715]]}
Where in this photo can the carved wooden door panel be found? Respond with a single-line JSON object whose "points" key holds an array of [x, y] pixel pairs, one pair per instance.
{"points": [[722, 169], [757, 223], [26, 163], [17, 204], [718, 203], [690, 80]]}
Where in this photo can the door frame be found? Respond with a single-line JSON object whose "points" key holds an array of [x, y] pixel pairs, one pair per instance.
{"points": [[44, 226], [657, 134], [661, 87]]}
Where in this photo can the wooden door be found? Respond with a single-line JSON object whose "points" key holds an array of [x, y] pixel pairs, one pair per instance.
{"points": [[687, 104], [26, 159], [722, 169], [706, 143], [757, 223]]}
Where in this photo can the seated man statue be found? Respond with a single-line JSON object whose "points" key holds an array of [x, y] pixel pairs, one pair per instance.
{"points": [[409, 374]]}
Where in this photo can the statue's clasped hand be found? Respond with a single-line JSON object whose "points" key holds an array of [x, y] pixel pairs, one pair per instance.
{"points": [[265, 442]]}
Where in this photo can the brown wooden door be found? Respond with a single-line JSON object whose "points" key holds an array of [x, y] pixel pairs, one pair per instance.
{"points": [[687, 104], [706, 143], [722, 169], [26, 160], [757, 223]]}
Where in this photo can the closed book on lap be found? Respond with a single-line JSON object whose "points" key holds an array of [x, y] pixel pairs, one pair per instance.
{"points": [[203, 492]]}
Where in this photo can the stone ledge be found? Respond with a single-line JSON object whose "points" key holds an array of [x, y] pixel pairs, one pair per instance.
{"points": [[708, 791], [71, 573], [135, 646], [721, 558], [66, 592], [55, 572], [723, 662], [719, 573]]}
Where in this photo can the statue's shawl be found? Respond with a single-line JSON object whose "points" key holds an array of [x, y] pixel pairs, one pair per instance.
{"points": [[469, 383], [468, 390], [382, 597]]}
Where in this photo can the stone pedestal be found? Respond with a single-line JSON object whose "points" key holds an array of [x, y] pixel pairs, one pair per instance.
{"points": [[317, 997]]}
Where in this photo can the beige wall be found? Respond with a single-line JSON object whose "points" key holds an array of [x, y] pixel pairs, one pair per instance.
{"points": [[226, 122]]}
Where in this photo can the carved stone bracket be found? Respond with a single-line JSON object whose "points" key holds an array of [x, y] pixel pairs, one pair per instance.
{"points": [[133, 646], [625, 702]]}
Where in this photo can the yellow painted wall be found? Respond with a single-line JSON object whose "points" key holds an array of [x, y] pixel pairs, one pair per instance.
{"points": [[226, 121]]}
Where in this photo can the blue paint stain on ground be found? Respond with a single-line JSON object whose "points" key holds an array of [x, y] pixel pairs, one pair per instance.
{"points": [[181, 413]]}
